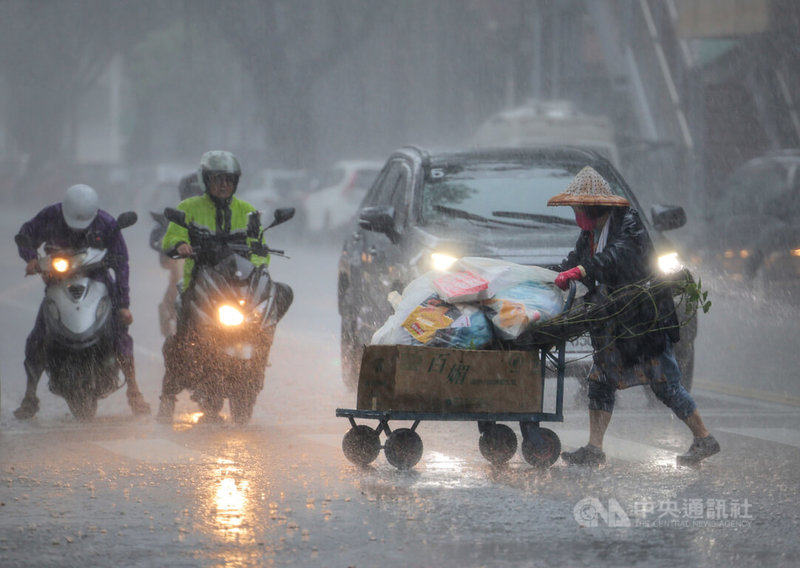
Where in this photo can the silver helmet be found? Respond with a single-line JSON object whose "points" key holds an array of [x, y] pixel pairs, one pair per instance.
{"points": [[218, 162]]}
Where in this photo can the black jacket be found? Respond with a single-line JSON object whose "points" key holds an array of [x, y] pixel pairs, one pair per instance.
{"points": [[643, 321]]}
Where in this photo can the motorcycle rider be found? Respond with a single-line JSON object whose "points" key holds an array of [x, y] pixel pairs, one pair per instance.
{"points": [[188, 186], [218, 210], [77, 222]]}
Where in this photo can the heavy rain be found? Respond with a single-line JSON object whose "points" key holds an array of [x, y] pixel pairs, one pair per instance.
{"points": [[400, 133]]}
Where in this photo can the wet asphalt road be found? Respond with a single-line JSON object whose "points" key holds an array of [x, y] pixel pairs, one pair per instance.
{"points": [[131, 492]]}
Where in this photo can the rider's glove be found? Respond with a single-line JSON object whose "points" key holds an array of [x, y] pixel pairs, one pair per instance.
{"points": [[563, 278]]}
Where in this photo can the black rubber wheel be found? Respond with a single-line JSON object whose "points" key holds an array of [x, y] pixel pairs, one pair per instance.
{"points": [[241, 405], [361, 445], [83, 408], [211, 406], [498, 443], [544, 454], [403, 448]]}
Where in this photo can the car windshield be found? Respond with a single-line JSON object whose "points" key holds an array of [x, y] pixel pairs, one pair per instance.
{"points": [[502, 195]]}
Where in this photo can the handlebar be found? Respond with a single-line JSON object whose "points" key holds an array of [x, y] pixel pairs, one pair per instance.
{"points": [[573, 289], [203, 241]]}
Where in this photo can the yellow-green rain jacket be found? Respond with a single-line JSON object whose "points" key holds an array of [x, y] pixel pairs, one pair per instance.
{"points": [[202, 211]]}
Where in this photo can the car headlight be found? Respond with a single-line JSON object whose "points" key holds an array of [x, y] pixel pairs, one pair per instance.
{"points": [[670, 263], [796, 252], [442, 261], [230, 316]]}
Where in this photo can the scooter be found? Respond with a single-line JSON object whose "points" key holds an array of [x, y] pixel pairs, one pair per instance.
{"points": [[80, 358], [231, 312]]}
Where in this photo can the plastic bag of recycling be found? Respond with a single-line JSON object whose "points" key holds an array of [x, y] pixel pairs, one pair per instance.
{"points": [[521, 305], [502, 274], [460, 286], [423, 318]]}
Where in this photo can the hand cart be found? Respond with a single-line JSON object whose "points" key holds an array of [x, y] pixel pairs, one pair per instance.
{"points": [[540, 446]]}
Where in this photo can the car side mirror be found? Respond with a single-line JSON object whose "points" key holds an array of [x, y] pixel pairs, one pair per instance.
{"points": [[380, 220], [127, 219], [667, 217]]}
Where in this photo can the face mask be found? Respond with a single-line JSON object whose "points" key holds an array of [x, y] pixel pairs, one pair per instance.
{"points": [[584, 221]]}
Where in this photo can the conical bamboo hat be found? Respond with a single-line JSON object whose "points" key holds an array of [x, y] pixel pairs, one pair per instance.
{"points": [[588, 188]]}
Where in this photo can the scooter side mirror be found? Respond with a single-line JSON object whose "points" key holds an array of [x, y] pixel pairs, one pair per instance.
{"points": [[281, 215], [175, 216], [127, 219]]}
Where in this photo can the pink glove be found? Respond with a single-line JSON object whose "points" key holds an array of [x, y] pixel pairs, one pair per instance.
{"points": [[563, 278]]}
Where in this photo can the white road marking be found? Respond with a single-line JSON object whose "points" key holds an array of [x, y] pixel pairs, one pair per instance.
{"points": [[786, 436], [154, 450]]}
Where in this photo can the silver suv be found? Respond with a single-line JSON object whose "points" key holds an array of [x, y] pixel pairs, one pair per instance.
{"points": [[426, 208]]}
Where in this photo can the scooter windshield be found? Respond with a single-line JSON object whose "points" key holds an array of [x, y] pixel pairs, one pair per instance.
{"points": [[235, 267]]}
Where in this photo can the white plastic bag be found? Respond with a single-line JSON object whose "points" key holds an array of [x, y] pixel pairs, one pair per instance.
{"points": [[517, 307], [423, 318]]}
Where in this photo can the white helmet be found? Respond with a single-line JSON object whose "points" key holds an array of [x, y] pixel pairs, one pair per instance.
{"points": [[79, 206]]}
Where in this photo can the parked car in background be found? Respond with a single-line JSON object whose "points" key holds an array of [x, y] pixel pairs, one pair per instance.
{"points": [[752, 232], [430, 208], [339, 190], [271, 188]]}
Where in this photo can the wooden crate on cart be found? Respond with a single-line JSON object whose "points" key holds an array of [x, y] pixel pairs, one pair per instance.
{"points": [[429, 379]]}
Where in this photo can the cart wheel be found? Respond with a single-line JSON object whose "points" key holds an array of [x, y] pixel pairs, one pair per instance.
{"points": [[361, 445], [544, 454], [403, 448], [498, 443]]}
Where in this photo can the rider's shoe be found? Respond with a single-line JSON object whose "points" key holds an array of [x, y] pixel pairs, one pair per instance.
{"points": [[27, 409], [165, 409], [587, 455], [700, 449], [137, 403]]}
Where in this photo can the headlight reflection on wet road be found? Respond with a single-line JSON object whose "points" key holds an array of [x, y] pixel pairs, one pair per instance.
{"points": [[230, 503]]}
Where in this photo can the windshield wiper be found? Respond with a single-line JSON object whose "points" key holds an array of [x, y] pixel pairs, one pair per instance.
{"points": [[461, 214], [551, 219]]}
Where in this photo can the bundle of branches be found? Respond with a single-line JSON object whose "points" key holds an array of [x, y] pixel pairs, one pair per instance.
{"points": [[626, 312]]}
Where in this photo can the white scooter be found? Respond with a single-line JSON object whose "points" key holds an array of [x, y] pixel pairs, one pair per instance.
{"points": [[80, 358]]}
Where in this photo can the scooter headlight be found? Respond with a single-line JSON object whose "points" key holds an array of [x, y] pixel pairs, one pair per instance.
{"points": [[230, 316], [60, 264]]}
